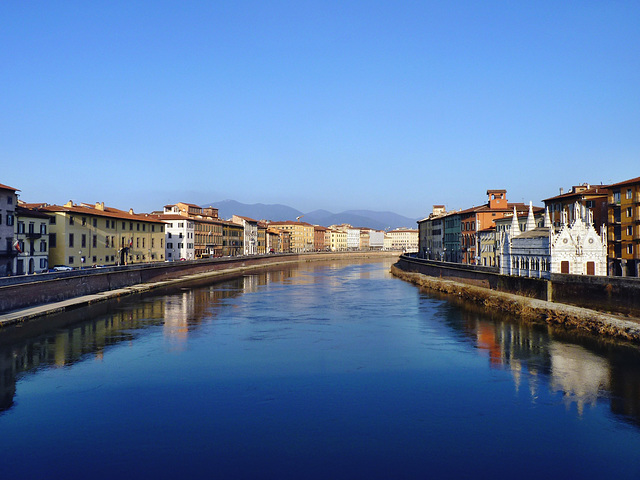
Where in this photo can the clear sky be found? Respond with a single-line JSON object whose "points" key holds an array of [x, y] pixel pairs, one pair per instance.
{"points": [[382, 105]]}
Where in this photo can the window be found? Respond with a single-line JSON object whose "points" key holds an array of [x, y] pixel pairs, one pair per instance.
{"points": [[95, 222], [52, 220], [84, 221], [10, 219], [43, 246], [144, 227], [629, 230], [130, 225], [630, 249], [143, 243], [10, 200], [629, 212], [106, 241], [153, 228], [616, 197], [52, 240], [70, 260], [95, 241], [169, 244], [628, 196], [71, 221], [43, 263], [153, 243], [43, 229], [83, 242], [20, 227], [71, 239], [137, 226], [169, 234], [138, 242]]}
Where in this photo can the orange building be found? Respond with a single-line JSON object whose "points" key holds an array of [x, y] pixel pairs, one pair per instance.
{"points": [[623, 232], [475, 219], [595, 198]]}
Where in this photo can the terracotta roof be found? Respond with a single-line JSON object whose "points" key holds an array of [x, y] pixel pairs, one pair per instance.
{"points": [[23, 211], [107, 212], [246, 218], [626, 182], [291, 222], [7, 187], [595, 190]]}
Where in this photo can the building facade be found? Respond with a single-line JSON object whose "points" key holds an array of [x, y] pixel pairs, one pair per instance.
{"points": [[575, 248], [624, 228], [402, 239], [250, 233], [300, 235], [83, 234], [33, 241], [8, 252], [595, 198]]}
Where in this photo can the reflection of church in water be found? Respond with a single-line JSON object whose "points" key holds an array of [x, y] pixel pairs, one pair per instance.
{"points": [[581, 376]]}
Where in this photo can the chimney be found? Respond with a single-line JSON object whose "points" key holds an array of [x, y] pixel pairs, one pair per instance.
{"points": [[131, 211], [69, 203], [100, 206], [561, 191]]}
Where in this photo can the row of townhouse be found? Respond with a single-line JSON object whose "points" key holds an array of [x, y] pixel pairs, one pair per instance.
{"points": [[606, 217], [35, 237]]}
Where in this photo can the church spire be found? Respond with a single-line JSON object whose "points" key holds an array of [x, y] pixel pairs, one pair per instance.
{"points": [[531, 221], [515, 226], [547, 219]]}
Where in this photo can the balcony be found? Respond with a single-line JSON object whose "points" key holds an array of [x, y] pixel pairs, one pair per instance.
{"points": [[33, 235]]}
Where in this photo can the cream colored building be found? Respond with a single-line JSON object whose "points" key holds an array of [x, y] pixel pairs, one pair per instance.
{"points": [[405, 240], [83, 234], [301, 235], [338, 240]]}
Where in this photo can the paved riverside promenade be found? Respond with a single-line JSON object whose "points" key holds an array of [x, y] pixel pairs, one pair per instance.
{"points": [[232, 269]]}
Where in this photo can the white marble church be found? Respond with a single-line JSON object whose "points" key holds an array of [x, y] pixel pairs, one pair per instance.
{"points": [[575, 248]]}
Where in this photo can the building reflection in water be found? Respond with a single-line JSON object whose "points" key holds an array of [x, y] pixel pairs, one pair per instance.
{"points": [[584, 374], [119, 321]]}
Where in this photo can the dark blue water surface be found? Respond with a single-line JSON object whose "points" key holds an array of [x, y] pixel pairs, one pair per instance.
{"points": [[329, 370]]}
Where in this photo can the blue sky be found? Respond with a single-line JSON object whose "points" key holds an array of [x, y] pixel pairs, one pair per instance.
{"points": [[336, 105]]}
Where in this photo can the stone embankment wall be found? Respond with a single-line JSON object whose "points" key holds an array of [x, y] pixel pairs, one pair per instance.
{"points": [[530, 309], [608, 294], [28, 291]]}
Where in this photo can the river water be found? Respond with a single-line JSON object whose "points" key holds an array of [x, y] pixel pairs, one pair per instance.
{"points": [[327, 370]]}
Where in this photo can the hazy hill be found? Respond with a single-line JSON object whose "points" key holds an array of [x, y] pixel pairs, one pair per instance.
{"points": [[276, 212]]}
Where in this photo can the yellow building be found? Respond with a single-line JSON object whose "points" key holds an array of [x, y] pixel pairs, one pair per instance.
{"points": [[338, 240], [623, 233], [301, 235], [262, 238], [84, 235]]}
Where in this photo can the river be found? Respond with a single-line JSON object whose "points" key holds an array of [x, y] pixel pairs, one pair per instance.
{"points": [[326, 370]]}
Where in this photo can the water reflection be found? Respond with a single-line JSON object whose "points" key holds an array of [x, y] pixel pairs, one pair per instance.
{"points": [[584, 370], [178, 314]]}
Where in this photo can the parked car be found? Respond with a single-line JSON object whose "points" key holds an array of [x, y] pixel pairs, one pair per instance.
{"points": [[61, 268]]}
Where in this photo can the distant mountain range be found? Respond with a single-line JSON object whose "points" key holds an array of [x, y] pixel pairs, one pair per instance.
{"points": [[276, 212]]}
